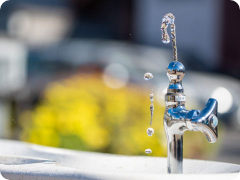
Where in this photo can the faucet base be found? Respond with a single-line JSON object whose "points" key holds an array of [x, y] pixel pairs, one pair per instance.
{"points": [[175, 154]]}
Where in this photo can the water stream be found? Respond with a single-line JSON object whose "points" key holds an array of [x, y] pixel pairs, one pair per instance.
{"points": [[169, 19], [150, 131]]}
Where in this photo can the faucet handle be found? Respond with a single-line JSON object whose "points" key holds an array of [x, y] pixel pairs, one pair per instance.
{"points": [[206, 121]]}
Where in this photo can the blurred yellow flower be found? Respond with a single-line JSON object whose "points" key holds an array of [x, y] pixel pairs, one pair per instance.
{"points": [[82, 113]]}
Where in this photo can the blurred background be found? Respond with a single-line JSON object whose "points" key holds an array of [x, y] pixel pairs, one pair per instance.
{"points": [[71, 73]]}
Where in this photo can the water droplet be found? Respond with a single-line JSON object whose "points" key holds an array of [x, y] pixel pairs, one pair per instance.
{"points": [[151, 97], [150, 131], [151, 107], [148, 151], [166, 40], [148, 76]]}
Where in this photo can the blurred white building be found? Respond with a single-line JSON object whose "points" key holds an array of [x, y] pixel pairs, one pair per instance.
{"points": [[13, 74]]}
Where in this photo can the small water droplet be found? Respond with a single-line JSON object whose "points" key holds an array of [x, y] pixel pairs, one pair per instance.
{"points": [[150, 131], [151, 97], [151, 107], [166, 40], [148, 151], [148, 76]]}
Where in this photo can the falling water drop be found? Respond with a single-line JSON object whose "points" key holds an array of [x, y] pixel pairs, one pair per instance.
{"points": [[151, 107], [151, 97], [148, 151], [148, 76], [150, 131]]}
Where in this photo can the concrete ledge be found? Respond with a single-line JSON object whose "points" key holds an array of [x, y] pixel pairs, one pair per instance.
{"points": [[19, 160]]}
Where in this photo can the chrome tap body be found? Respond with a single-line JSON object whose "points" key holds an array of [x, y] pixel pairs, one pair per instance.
{"points": [[177, 119]]}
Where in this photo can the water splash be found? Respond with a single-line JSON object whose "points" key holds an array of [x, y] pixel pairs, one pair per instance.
{"points": [[169, 19], [150, 131], [148, 76], [148, 151]]}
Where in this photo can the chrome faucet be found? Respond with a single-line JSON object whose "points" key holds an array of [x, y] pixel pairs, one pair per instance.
{"points": [[176, 118]]}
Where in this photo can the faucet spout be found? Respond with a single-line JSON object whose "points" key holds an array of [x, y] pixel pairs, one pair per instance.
{"points": [[177, 120], [206, 121]]}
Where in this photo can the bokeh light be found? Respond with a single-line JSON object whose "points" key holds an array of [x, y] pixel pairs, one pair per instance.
{"points": [[224, 98]]}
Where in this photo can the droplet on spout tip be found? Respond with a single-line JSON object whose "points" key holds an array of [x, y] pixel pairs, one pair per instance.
{"points": [[150, 131], [148, 76], [148, 151]]}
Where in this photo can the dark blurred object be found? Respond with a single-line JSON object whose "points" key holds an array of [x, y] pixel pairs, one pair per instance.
{"points": [[102, 19], [230, 54]]}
